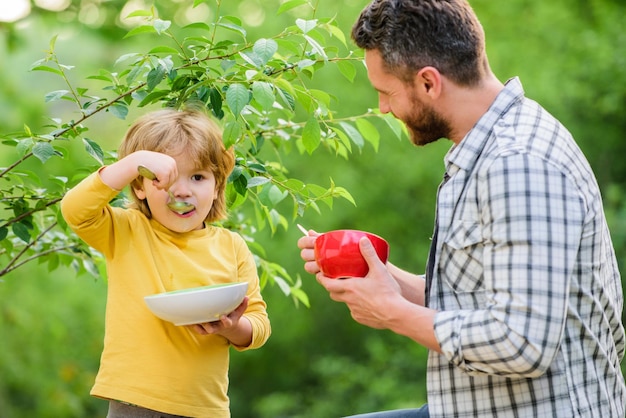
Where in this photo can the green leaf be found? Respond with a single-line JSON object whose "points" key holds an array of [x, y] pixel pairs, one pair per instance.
{"points": [[125, 57], [346, 68], [300, 295], [337, 33], [240, 184], [155, 76], [288, 5], [231, 134], [287, 97], [257, 181], [251, 58], [53, 262], [275, 219], [153, 97], [91, 267], [311, 135], [100, 77], [21, 231], [43, 151], [58, 181], [30, 175], [282, 284], [342, 192], [256, 167], [233, 19], [48, 69], [55, 95], [53, 42], [119, 110], [94, 150], [237, 97], [316, 47], [317, 190], [369, 132], [263, 93], [305, 63], [276, 195], [289, 45], [345, 141], [136, 71], [306, 25], [265, 49], [272, 195], [198, 25], [161, 25], [4, 231], [233, 27], [295, 185], [139, 13], [181, 82], [163, 49], [215, 99], [353, 134], [227, 64], [236, 173], [139, 95], [321, 96], [140, 30], [24, 146], [396, 126]]}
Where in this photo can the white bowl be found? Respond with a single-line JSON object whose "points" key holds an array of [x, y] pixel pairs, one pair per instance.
{"points": [[198, 304]]}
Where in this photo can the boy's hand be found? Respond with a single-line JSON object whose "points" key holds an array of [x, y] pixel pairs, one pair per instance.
{"points": [[122, 172], [161, 165], [227, 325]]}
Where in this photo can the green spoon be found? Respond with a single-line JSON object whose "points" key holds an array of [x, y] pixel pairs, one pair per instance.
{"points": [[175, 205]]}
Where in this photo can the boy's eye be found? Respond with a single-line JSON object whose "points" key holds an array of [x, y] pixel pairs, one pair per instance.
{"points": [[197, 177]]}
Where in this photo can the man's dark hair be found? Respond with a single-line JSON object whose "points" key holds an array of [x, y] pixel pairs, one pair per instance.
{"points": [[412, 34]]}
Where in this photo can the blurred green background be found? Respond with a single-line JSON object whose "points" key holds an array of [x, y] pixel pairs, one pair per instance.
{"points": [[571, 57]]}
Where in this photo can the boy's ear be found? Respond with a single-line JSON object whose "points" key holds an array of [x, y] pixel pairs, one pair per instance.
{"points": [[138, 189]]}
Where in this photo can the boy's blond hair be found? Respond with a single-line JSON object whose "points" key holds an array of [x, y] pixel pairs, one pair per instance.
{"points": [[190, 132]]}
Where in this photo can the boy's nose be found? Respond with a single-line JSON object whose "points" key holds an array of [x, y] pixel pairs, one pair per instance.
{"points": [[180, 189]]}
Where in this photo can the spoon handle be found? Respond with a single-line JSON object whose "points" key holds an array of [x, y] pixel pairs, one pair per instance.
{"points": [[146, 172], [303, 229]]}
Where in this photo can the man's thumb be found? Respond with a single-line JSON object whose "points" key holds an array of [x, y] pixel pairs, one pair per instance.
{"points": [[369, 252]]}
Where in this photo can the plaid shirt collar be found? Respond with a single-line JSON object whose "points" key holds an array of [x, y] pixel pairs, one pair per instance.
{"points": [[464, 155]]}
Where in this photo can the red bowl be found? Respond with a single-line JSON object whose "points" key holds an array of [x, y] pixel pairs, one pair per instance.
{"points": [[338, 255]]}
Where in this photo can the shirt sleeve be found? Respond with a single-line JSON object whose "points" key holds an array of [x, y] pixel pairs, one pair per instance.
{"points": [[86, 210], [530, 221]]}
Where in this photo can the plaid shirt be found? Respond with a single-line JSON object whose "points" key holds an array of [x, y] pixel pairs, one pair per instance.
{"points": [[525, 280]]}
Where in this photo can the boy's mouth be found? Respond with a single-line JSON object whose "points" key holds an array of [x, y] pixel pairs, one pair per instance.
{"points": [[184, 212]]}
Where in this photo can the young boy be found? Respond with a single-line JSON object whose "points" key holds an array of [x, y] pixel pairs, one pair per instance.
{"points": [[150, 367]]}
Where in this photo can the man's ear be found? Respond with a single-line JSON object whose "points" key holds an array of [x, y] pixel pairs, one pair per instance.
{"points": [[428, 80]]}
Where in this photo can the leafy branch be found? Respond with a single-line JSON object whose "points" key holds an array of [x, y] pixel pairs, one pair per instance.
{"points": [[258, 89]]}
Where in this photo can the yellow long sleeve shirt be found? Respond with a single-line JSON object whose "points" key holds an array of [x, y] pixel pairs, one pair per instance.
{"points": [[147, 361]]}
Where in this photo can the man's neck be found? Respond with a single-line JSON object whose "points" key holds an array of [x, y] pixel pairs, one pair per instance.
{"points": [[464, 106]]}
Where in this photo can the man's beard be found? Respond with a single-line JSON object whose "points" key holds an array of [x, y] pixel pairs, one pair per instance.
{"points": [[425, 125]]}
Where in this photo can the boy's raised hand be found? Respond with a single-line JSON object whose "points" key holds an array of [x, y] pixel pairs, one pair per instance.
{"points": [[119, 174], [161, 165]]}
